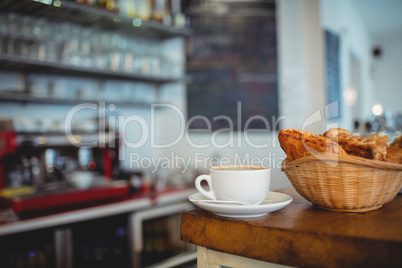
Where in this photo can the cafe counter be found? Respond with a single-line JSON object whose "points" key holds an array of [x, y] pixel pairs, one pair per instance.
{"points": [[137, 230], [299, 235]]}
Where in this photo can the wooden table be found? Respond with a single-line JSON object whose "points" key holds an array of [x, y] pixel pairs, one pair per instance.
{"points": [[302, 235]]}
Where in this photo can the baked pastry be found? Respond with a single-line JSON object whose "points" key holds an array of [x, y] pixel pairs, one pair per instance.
{"points": [[297, 144], [358, 146], [394, 155], [379, 138], [397, 143]]}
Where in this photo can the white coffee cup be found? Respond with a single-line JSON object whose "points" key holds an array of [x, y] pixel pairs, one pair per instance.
{"points": [[246, 184]]}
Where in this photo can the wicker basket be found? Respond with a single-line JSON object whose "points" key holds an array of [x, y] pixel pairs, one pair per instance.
{"points": [[344, 183]]}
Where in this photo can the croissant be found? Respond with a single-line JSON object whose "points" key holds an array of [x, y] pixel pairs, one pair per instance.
{"points": [[394, 155], [358, 146], [297, 144]]}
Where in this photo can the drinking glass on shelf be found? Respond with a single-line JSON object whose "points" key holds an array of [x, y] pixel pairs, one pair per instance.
{"points": [[13, 23], [99, 59], [103, 50], [10, 46], [41, 52], [3, 23], [156, 59], [27, 23], [40, 28], [121, 50], [51, 51], [33, 49], [64, 37], [135, 47], [124, 54], [2, 44], [23, 48], [84, 49], [129, 57], [95, 54], [117, 45], [145, 57], [70, 47], [73, 54], [58, 39]]}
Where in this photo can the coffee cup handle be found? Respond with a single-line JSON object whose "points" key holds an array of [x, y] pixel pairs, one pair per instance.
{"points": [[207, 178]]}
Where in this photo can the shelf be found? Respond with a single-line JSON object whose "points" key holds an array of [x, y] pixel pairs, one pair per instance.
{"points": [[85, 16], [17, 63], [91, 16], [25, 98], [59, 139], [19, 36]]}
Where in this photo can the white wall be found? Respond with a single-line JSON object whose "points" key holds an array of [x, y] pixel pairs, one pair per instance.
{"points": [[301, 63], [387, 72], [341, 18]]}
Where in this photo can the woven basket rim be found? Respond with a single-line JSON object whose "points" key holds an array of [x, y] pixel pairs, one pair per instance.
{"points": [[332, 159]]}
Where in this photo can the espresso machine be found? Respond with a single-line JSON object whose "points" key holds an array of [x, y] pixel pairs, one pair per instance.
{"points": [[40, 160], [41, 166]]}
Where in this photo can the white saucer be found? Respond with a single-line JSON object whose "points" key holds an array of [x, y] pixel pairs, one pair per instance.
{"points": [[274, 201]]}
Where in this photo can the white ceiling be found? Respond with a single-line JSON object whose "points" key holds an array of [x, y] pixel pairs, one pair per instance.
{"points": [[382, 17]]}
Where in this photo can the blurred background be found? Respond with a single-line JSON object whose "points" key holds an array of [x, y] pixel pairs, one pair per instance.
{"points": [[101, 100], [282, 61]]}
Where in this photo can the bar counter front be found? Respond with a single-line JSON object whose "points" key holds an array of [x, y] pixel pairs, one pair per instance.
{"points": [[298, 235]]}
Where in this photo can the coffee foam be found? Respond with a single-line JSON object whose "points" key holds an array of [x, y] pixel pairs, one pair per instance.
{"points": [[240, 168]]}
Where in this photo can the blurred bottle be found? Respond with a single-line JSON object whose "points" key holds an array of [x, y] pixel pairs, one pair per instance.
{"points": [[127, 8], [167, 12], [87, 2], [159, 10], [101, 4], [177, 16], [110, 5], [143, 9]]}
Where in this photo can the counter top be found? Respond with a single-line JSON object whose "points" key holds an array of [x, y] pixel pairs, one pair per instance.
{"points": [[304, 236]]}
